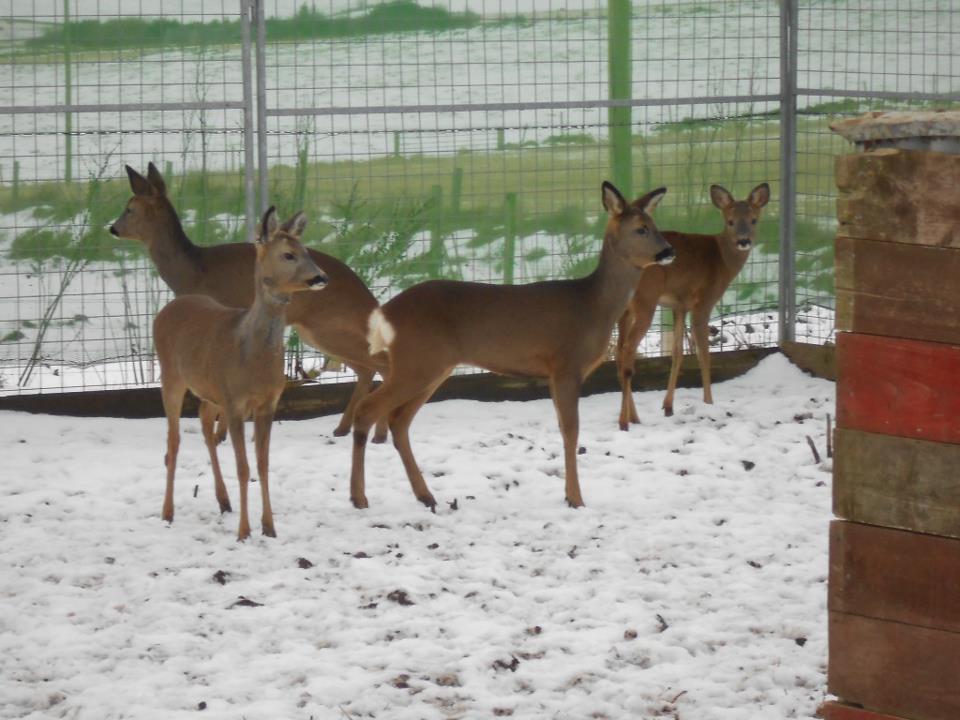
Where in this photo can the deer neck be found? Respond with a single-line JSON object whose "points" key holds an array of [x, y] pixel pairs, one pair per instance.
{"points": [[261, 330], [611, 285], [176, 258], [733, 259]]}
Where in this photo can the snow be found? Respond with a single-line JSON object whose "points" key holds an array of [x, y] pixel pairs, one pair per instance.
{"points": [[693, 585]]}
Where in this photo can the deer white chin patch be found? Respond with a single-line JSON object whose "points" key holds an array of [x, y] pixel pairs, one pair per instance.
{"points": [[380, 333]]}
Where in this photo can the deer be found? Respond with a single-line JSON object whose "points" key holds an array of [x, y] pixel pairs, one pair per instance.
{"points": [[555, 329], [232, 359], [704, 268], [333, 321]]}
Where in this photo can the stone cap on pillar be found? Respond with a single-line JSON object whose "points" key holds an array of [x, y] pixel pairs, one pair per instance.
{"points": [[933, 130]]}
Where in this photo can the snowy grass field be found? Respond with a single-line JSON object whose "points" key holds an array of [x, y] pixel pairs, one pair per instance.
{"points": [[692, 586]]}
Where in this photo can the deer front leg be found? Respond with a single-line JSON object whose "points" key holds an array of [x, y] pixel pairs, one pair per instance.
{"points": [[700, 320], [262, 423], [565, 391], [632, 327], [235, 428], [679, 321], [208, 418], [172, 405]]}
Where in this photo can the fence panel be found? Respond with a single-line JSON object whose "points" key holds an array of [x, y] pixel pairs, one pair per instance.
{"points": [[461, 140], [471, 144], [852, 58], [82, 93]]}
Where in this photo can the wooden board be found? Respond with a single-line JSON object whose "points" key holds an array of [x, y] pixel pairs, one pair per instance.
{"points": [[905, 196], [818, 360], [893, 668], [306, 401], [895, 575], [840, 711], [898, 387], [897, 482], [907, 291]]}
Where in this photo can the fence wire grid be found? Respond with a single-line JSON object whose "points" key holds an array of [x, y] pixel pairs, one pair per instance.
{"points": [[463, 140]]}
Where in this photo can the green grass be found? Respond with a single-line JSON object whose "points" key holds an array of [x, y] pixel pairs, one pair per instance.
{"points": [[390, 17], [370, 212]]}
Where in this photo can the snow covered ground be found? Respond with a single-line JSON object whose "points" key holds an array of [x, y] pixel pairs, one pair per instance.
{"points": [[693, 585]]}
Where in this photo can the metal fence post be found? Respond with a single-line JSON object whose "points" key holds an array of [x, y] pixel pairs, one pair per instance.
{"points": [[249, 183], [620, 76], [788, 169], [262, 102]]}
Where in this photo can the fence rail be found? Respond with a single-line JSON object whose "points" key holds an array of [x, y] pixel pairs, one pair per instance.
{"points": [[427, 142]]}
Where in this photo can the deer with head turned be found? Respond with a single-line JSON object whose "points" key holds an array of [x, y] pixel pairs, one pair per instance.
{"points": [[333, 321], [232, 359], [704, 268], [557, 329]]}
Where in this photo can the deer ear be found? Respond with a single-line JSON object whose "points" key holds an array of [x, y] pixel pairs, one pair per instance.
{"points": [[138, 183], [156, 179], [720, 197], [760, 195], [269, 224], [295, 225], [613, 201], [649, 202]]}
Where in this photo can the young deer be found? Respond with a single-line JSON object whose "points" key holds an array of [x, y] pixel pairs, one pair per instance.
{"points": [[232, 359], [333, 321], [557, 329], [704, 267]]}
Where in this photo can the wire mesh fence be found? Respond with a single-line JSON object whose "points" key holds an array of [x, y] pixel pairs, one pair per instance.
{"points": [[463, 140]]}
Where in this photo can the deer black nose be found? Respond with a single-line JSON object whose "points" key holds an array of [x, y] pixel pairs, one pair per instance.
{"points": [[317, 281], [113, 231], [665, 256], [744, 243]]}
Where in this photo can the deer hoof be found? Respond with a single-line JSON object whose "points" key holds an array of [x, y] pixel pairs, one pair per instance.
{"points": [[269, 531], [379, 439], [577, 503], [429, 502], [668, 412], [360, 503], [624, 426], [341, 431]]}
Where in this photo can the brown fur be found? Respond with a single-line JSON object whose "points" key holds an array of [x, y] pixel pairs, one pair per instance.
{"points": [[557, 330], [333, 321], [694, 283], [232, 359]]}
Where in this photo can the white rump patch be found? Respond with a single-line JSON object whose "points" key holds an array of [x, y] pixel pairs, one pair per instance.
{"points": [[381, 333]]}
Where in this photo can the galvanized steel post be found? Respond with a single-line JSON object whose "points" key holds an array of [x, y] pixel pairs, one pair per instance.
{"points": [[249, 182], [788, 169]]}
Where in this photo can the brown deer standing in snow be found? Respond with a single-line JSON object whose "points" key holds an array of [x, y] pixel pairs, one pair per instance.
{"points": [[333, 321], [694, 283], [232, 359], [558, 329]]}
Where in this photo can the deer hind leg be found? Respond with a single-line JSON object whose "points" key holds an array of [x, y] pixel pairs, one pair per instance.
{"points": [[632, 327], [700, 320], [565, 390], [679, 322], [262, 423], [395, 391], [235, 428], [361, 389], [172, 395], [209, 414], [400, 420]]}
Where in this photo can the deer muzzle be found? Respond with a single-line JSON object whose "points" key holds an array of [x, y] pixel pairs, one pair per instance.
{"points": [[113, 231], [317, 282], [665, 256], [744, 243]]}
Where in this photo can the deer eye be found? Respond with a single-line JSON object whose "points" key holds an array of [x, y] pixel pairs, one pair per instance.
{"points": [[753, 222], [289, 256], [730, 223], [641, 231]]}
